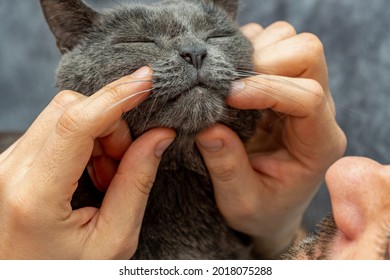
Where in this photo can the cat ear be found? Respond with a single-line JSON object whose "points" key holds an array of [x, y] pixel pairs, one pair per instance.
{"points": [[230, 6], [69, 21]]}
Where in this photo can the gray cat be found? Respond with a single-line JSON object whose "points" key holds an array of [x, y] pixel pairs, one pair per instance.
{"points": [[195, 49]]}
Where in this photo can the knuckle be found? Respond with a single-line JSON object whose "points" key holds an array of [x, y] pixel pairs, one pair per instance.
{"points": [[285, 27], [316, 99], [144, 182], [114, 92], [312, 44], [66, 97], [225, 172], [69, 122], [254, 27]]}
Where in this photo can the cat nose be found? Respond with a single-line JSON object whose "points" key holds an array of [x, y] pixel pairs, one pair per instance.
{"points": [[194, 56]]}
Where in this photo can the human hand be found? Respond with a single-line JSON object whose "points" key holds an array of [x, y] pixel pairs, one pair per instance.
{"points": [[266, 193], [39, 174]]}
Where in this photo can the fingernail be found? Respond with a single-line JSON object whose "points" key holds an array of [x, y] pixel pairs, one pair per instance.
{"points": [[212, 145], [162, 146], [142, 72], [237, 86]]}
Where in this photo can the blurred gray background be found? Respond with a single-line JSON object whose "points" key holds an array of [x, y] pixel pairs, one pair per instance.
{"points": [[355, 34]]}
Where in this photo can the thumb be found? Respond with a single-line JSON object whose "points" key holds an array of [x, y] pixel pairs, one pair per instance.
{"points": [[236, 184], [121, 214]]}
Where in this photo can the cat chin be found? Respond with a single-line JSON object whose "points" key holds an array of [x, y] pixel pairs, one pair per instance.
{"points": [[199, 111], [188, 112]]}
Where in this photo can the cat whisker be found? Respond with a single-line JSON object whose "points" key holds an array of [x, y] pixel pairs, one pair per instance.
{"points": [[354, 113], [280, 117], [280, 95], [119, 4], [265, 69], [136, 108], [227, 117], [274, 78], [267, 90], [150, 112], [128, 98]]}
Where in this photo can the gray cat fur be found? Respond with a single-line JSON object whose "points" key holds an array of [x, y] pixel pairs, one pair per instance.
{"points": [[181, 220]]}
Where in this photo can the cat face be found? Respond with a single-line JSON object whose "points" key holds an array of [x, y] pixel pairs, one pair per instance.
{"points": [[194, 48]]}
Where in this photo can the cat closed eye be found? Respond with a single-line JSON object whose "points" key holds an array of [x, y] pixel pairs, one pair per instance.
{"points": [[134, 41], [218, 37]]}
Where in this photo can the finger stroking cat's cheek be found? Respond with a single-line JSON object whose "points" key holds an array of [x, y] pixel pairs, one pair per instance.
{"points": [[237, 91], [143, 72], [245, 96], [127, 92]]}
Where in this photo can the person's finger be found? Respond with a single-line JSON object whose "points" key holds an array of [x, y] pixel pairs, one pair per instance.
{"points": [[120, 216], [101, 167], [273, 33], [117, 142], [299, 56], [292, 96], [235, 182], [106, 153], [251, 30], [311, 128], [69, 146]]}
